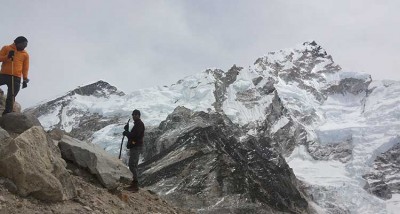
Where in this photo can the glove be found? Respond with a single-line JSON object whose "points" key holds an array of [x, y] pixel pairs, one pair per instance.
{"points": [[25, 83], [126, 127], [125, 133], [10, 54], [129, 145]]}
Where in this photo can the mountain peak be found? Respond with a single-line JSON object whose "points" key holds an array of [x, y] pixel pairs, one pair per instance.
{"points": [[97, 89], [312, 43], [315, 49], [309, 57]]}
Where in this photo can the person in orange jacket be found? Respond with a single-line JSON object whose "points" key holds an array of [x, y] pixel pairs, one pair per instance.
{"points": [[15, 64]]}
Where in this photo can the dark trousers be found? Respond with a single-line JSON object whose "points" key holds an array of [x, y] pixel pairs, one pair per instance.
{"points": [[7, 80], [134, 154]]}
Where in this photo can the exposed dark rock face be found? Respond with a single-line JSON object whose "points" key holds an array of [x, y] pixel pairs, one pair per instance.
{"points": [[223, 80], [286, 137], [163, 138], [97, 89], [267, 88], [90, 123], [150, 138], [180, 117], [350, 85], [207, 166], [335, 151], [384, 180]]}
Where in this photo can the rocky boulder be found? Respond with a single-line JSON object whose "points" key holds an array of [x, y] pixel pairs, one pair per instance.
{"points": [[108, 170], [18, 122], [34, 164], [16, 107]]}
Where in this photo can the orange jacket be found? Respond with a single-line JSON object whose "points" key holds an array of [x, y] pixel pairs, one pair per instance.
{"points": [[21, 62]]}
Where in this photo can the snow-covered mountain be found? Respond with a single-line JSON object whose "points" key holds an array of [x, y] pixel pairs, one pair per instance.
{"points": [[338, 130]]}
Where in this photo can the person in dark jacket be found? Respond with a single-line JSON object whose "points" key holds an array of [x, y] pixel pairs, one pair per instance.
{"points": [[135, 146]]}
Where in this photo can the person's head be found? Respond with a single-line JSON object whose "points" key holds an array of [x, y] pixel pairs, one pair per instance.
{"points": [[21, 43], [136, 114]]}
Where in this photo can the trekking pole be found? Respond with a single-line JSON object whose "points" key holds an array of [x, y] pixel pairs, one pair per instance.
{"points": [[12, 84], [122, 142]]}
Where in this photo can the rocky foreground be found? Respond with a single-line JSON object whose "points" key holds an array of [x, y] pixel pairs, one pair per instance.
{"points": [[92, 199], [36, 176]]}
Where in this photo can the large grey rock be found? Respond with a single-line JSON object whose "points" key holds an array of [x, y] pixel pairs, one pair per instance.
{"points": [[107, 169], [4, 136], [17, 122], [34, 164], [16, 107]]}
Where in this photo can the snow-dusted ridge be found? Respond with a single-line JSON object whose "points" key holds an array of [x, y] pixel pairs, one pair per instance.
{"points": [[339, 121]]}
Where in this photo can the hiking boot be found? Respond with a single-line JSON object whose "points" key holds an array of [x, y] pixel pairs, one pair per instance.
{"points": [[133, 187]]}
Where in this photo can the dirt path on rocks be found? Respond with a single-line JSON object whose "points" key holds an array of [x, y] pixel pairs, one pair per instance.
{"points": [[91, 199]]}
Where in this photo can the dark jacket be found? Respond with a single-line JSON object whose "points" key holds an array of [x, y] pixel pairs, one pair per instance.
{"points": [[136, 134]]}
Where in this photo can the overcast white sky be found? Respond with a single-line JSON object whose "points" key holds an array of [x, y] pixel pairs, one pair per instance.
{"points": [[138, 44]]}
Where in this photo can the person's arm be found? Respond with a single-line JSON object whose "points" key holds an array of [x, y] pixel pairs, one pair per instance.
{"points": [[130, 135], [4, 54], [25, 67]]}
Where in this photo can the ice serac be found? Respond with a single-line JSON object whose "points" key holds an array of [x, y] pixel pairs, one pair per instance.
{"points": [[203, 164]]}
